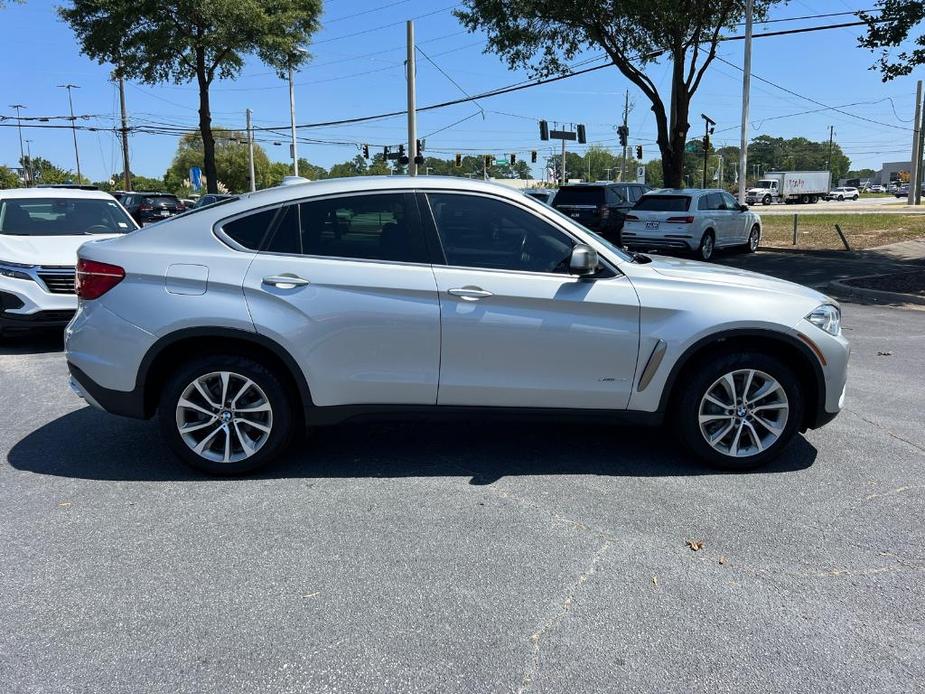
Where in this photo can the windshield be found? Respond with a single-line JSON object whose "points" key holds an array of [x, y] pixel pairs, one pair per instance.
{"points": [[663, 203], [765, 184], [63, 217]]}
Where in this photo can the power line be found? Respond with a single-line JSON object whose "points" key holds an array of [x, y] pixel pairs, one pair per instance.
{"points": [[383, 26]]}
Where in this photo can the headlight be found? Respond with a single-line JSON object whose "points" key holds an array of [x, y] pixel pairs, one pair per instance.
{"points": [[14, 270], [827, 317]]}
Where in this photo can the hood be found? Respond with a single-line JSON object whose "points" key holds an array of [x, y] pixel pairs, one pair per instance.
{"points": [[45, 250], [696, 271]]}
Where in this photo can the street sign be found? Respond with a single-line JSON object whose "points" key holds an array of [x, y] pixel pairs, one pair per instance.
{"points": [[691, 147], [562, 135], [195, 177], [500, 161], [640, 174]]}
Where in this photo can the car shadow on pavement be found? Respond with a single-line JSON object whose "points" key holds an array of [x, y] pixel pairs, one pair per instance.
{"points": [[34, 342], [88, 444]]}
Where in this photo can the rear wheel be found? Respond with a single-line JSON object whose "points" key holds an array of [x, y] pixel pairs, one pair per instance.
{"points": [[804, 199], [739, 411], [707, 245], [225, 415]]}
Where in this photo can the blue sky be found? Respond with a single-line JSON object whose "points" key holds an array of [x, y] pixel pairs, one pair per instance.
{"points": [[344, 80]]}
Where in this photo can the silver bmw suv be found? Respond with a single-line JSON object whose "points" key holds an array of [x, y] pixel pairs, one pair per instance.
{"points": [[239, 324]]}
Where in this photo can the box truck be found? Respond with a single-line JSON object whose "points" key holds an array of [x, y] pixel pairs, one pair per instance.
{"points": [[790, 187]]}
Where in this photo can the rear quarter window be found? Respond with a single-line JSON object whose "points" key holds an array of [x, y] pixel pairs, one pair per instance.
{"points": [[250, 230]]}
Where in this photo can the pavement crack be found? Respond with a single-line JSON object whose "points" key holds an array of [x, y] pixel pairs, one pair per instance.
{"points": [[898, 490], [550, 623], [890, 433]]}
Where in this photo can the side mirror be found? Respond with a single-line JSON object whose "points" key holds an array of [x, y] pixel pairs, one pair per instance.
{"points": [[583, 261], [743, 207]]}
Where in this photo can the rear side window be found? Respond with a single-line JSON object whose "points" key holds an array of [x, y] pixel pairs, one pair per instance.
{"points": [[710, 201], [249, 231], [664, 203], [580, 195], [368, 227]]}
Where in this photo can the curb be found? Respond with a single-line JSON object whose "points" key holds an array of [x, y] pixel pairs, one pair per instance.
{"points": [[878, 295], [822, 253]]}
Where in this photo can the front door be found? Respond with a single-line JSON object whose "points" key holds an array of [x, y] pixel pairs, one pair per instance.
{"points": [[738, 220], [345, 285], [517, 329]]}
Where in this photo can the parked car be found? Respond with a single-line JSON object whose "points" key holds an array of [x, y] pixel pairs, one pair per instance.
{"points": [[40, 231], [843, 193], [902, 191], [691, 220], [210, 199], [876, 188], [238, 324], [148, 207], [544, 195], [599, 206]]}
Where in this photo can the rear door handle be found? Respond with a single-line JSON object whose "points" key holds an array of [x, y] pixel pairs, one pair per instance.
{"points": [[470, 293], [285, 281]]}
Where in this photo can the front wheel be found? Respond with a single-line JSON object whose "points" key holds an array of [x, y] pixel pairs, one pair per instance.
{"points": [[766, 200], [707, 245], [225, 415], [754, 238], [739, 411]]}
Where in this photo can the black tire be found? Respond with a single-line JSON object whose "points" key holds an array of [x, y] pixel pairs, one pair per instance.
{"points": [[282, 408], [707, 247], [697, 383], [754, 238], [855, 197], [804, 199], [766, 200]]}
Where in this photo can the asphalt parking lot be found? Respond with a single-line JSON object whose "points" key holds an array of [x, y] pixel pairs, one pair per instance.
{"points": [[473, 557]]}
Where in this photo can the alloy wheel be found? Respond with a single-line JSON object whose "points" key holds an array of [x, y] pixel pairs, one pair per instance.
{"points": [[743, 413], [754, 238], [224, 417], [706, 247]]}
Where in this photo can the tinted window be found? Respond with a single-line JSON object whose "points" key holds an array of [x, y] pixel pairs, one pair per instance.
{"points": [[730, 202], [487, 233], [633, 193], [664, 203], [62, 217], [250, 230], [580, 195], [371, 227], [617, 195], [168, 200]]}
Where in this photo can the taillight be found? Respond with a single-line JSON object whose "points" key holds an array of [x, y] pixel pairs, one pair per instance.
{"points": [[680, 220], [95, 279], [631, 217], [144, 208]]}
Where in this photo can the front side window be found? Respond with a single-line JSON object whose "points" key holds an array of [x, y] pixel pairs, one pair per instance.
{"points": [[730, 202], [483, 232], [62, 217], [368, 227]]}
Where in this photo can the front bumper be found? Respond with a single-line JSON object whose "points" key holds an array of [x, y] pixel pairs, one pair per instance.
{"points": [[835, 351], [26, 304]]}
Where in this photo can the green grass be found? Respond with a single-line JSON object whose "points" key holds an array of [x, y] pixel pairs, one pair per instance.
{"points": [[862, 230]]}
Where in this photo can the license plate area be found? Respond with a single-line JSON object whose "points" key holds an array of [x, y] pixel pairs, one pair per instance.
{"points": [[652, 225]]}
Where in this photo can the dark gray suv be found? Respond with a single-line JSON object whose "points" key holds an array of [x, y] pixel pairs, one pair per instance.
{"points": [[601, 207]]}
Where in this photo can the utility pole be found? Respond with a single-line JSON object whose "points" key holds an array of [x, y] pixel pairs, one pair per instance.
{"points": [[412, 114], [607, 172], [126, 168], [746, 86], [293, 147], [915, 181], [250, 150], [919, 155], [562, 183], [70, 103], [29, 159], [828, 163], [626, 115], [708, 124], [22, 154]]}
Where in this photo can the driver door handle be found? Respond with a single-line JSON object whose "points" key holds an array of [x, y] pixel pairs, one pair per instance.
{"points": [[470, 293], [285, 281]]}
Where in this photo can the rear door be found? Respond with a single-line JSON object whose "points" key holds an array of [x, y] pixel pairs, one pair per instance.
{"points": [[345, 285], [518, 330]]}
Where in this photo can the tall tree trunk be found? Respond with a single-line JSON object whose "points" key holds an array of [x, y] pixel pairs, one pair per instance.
{"points": [[205, 125], [672, 135]]}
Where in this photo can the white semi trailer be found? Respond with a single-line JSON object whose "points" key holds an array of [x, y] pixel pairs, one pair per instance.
{"points": [[790, 187]]}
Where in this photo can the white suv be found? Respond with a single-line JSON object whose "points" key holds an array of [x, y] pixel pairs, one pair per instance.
{"points": [[843, 193], [691, 220], [40, 232], [239, 323]]}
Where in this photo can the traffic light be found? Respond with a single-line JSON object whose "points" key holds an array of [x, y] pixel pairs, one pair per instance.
{"points": [[533, 157], [366, 151], [402, 157], [488, 161], [623, 133], [458, 160], [513, 159], [639, 152], [544, 130], [582, 139], [385, 153]]}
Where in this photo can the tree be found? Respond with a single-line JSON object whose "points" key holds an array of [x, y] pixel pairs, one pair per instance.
{"points": [[181, 40], [8, 178], [890, 26], [355, 167], [543, 35], [312, 172], [231, 162], [43, 171]]}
